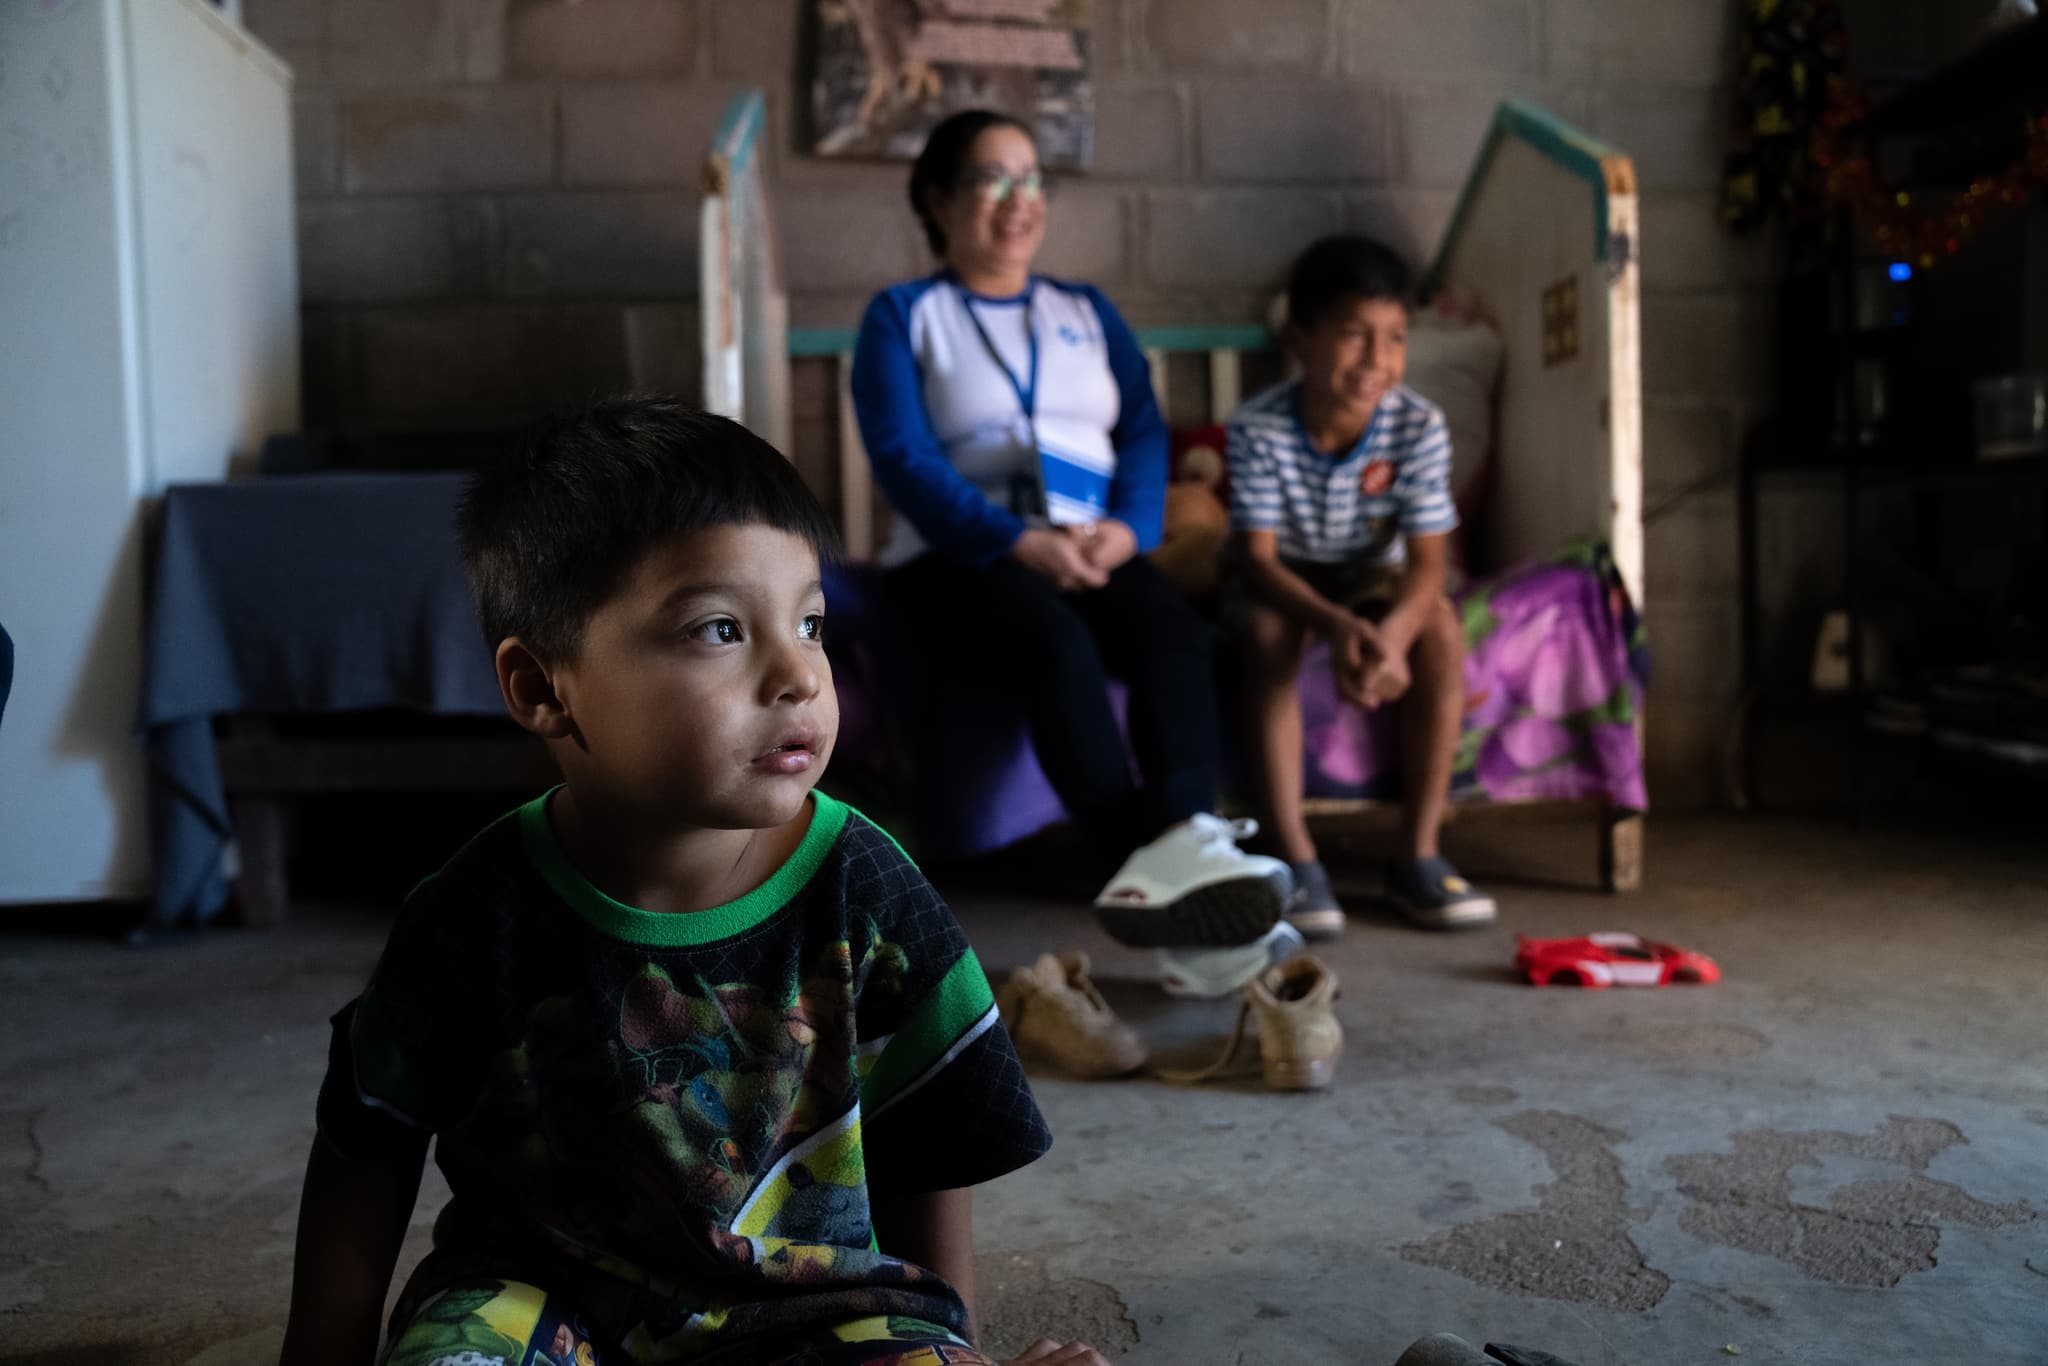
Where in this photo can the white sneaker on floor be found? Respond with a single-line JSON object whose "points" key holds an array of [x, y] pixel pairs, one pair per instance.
{"points": [[1212, 973], [1194, 886]]}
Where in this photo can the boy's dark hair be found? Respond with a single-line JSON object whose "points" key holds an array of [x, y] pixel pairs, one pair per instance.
{"points": [[1339, 268], [944, 160], [550, 530]]}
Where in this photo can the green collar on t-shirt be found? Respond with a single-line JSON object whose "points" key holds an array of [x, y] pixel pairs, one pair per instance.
{"points": [[678, 930]]}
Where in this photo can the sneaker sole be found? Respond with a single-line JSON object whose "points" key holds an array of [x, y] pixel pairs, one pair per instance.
{"points": [[1318, 927], [1299, 1074], [1222, 915], [1463, 915]]}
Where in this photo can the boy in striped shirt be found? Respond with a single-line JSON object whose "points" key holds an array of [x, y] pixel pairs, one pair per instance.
{"points": [[1341, 512]]}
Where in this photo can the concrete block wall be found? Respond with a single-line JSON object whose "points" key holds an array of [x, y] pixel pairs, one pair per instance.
{"points": [[498, 212]]}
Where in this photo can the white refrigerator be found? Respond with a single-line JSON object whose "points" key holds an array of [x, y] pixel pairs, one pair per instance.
{"points": [[148, 335]]}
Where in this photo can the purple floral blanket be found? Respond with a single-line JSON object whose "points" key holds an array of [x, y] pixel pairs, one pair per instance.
{"points": [[1555, 668]]}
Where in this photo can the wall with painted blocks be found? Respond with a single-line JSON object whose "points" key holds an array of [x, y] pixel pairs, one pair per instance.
{"points": [[497, 212]]}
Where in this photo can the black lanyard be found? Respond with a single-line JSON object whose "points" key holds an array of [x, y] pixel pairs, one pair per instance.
{"points": [[1027, 492]]}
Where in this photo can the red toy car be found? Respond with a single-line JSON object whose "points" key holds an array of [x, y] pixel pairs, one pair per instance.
{"points": [[1610, 960]]}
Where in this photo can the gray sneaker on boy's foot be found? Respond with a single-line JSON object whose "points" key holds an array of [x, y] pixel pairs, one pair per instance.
{"points": [[1313, 909], [1432, 895]]}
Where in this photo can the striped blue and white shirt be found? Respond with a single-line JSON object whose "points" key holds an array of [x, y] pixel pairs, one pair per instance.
{"points": [[977, 427], [1361, 505]]}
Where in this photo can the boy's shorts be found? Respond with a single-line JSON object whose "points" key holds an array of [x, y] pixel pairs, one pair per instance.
{"points": [[1365, 587], [511, 1323]]}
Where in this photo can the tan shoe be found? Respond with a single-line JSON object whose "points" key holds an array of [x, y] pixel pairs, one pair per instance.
{"points": [[1055, 1014], [1299, 1037]]}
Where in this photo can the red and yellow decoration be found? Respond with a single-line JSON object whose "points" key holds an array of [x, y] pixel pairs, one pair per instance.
{"points": [[1922, 234], [1795, 154]]}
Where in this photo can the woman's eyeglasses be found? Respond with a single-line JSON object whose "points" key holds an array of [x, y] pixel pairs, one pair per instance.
{"points": [[994, 185]]}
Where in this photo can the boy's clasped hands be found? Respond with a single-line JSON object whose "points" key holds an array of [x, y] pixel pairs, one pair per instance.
{"points": [[1369, 659]]}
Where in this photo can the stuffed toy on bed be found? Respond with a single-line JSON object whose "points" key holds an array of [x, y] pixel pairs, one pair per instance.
{"points": [[1197, 519]]}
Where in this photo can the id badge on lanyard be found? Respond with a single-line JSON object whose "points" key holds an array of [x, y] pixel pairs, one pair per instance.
{"points": [[1027, 487]]}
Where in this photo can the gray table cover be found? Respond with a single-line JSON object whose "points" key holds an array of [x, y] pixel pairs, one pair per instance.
{"points": [[300, 593]]}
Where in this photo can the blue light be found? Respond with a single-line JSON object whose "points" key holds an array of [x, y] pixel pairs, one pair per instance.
{"points": [[1900, 271]]}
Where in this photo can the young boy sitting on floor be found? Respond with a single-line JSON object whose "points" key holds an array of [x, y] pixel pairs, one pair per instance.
{"points": [[709, 1065], [1340, 512]]}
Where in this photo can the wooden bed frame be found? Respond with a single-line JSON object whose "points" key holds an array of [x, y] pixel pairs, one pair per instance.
{"points": [[1544, 239]]}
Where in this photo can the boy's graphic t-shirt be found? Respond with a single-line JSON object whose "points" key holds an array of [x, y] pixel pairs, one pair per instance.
{"points": [[677, 1122], [1358, 506]]}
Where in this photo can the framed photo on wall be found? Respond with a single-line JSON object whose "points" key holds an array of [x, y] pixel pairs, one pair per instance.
{"points": [[889, 70]]}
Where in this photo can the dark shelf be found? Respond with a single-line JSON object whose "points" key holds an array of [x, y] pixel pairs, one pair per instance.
{"points": [[1877, 341], [1876, 471], [2008, 74], [1899, 493], [1893, 454], [1951, 474]]}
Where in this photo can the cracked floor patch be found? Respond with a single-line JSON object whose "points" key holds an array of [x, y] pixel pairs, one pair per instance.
{"points": [[1575, 1245], [1706, 1042], [1871, 1232], [1485, 1095], [1020, 1302], [21, 1148]]}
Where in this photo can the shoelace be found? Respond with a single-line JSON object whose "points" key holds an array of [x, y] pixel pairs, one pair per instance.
{"points": [[1223, 835], [1176, 1077]]}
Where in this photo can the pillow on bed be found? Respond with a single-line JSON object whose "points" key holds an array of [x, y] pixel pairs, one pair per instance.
{"points": [[1454, 362]]}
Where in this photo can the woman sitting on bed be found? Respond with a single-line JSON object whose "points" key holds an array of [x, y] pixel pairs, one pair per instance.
{"points": [[1011, 423]]}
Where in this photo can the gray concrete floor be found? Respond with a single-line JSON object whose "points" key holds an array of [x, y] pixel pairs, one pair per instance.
{"points": [[1839, 1154]]}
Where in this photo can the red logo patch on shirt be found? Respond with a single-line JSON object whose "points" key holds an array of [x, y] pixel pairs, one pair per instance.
{"points": [[1377, 478]]}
